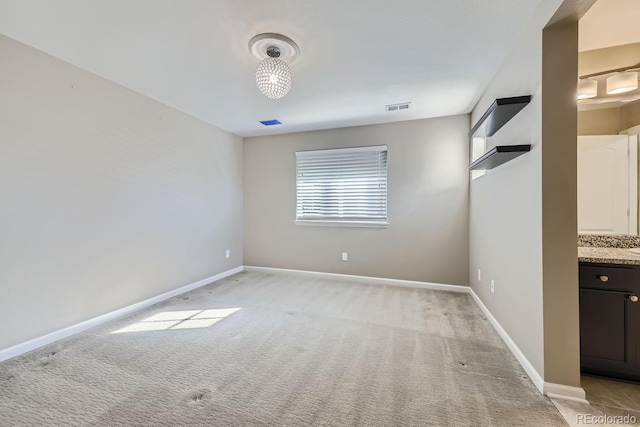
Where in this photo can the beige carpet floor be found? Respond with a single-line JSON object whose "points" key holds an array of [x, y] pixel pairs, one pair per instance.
{"points": [[273, 349]]}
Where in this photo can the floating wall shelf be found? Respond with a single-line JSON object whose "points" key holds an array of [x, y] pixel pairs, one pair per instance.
{"points": [[499, 113], [496, 116], [499, 155]]}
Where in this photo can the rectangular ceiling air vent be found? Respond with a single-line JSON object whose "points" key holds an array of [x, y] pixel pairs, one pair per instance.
{"points": [[270, 122], [397, 107]]}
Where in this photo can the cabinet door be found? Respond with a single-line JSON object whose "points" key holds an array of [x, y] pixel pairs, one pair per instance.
{"points": [[608, 332]]}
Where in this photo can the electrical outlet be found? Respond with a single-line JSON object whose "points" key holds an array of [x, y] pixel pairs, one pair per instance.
{"points": [[228, 253], [344, 256], [493, 286], [479, 274]]}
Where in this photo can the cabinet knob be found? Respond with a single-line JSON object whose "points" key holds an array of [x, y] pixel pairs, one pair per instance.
{"points": [[603, 278], [633, 298]]}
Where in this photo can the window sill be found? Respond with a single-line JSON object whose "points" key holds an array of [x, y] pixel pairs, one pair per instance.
{"points": [[358, 224]]}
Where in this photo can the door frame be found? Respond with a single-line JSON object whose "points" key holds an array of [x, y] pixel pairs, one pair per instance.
{"points": [[632, 132]]}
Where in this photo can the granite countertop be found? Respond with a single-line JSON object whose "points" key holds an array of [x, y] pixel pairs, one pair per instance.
{"points": [[608, 255]]}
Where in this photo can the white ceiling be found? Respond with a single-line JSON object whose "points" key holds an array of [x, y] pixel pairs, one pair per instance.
{"points": [[609, 23], [356, 56]]}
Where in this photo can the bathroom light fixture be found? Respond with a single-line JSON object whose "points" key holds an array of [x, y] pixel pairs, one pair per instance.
{"points": [[275, 52], [587, 88], [622, 82]]}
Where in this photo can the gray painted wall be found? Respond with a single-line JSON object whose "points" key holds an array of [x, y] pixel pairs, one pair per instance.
{"points": [[609, 121], [630, 115], [523, 228], [605, 121], [427, 239], [506, 204], [107, 197], [559, 201]]}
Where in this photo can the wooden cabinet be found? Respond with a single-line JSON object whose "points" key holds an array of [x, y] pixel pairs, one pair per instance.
{"points": [[610, 320]]}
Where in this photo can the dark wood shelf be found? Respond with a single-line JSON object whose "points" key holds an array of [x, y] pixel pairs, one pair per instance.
{"points": [[498, 114], [499, 155]]}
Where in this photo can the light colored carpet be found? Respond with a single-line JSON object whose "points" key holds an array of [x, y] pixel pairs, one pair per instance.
{"points": [[298, 352]]}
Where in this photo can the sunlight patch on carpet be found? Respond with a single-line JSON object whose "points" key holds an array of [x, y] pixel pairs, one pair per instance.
{"points": [[183, 319]]}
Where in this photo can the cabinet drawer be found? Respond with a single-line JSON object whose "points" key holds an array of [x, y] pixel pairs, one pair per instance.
{"points": [[607, 277]]}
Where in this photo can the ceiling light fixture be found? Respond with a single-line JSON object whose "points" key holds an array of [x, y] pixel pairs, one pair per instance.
{"points": [[275, 52], [622, 82], [617, 81], [587, 88]]}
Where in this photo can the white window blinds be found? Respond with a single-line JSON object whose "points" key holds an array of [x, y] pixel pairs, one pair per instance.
{"points": [[342, 185]]}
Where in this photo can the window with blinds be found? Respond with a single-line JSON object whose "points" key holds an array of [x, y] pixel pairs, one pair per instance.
{"points": [[346, 186]]}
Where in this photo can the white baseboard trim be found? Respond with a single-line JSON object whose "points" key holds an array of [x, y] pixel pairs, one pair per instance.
{"points": [[535, 377], [565, 392], [551, 390], [35, 343], [377, 280]]}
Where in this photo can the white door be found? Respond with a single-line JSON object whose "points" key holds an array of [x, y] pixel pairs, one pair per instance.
{"points": [[607, 172]]}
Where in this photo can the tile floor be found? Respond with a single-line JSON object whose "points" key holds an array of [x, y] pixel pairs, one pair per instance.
{"points": [[606, 397]]}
